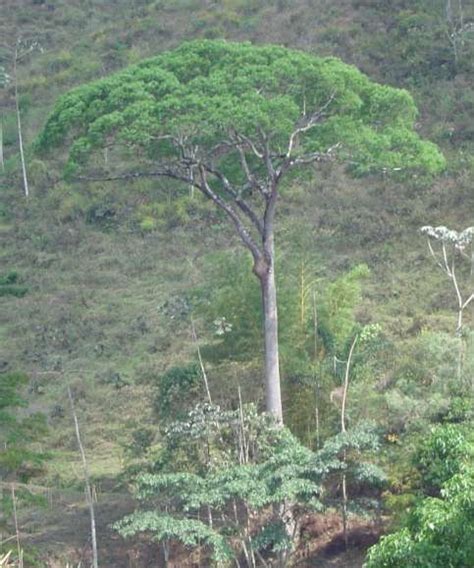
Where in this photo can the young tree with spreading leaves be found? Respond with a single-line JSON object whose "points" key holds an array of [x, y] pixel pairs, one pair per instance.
{"points": [[233, 120]]}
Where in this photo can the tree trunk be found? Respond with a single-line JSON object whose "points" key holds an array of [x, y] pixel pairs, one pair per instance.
{"points": [[20, 131], [89, 498], [345, 499], [2, 161], [270, 331]]}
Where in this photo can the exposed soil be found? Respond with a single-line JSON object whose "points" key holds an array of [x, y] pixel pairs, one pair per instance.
{"points": [[61, 535], [323, 543]]}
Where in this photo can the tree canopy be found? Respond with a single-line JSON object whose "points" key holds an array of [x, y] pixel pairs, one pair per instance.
{"points": [[206, 91]]}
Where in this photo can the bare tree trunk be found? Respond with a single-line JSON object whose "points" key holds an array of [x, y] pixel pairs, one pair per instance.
{"points": [[459, 325], [201, 363], [345, 499], [346, 385], [315, 375], [20, 131], [450, 269], [270, 330], [2, 160], [452, 33], [90, 501], [17, 530]]}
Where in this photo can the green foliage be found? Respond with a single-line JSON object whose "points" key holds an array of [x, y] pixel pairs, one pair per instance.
{"points": [[244, 471], [231, 307], [239, 460], [431, 359], [439, 533], [17, 458], [9, 285], [420, 40], [441, 456], [461, 410], [420, 382], [204, 89], [9, 396], [99, 283], [340, 300], [4, 77], [178, 390], [190, 532], [16, 435], [179, 211], [351, 452]]}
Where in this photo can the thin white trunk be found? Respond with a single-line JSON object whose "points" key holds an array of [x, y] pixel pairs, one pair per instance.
{"points": [[20, 131], [345, 521], [345, 498], [346, 385], [2, 160], [201, 363], [315, 376], [17, 530], [90, 501], [450, 269], [459, 325], [244, 446]]}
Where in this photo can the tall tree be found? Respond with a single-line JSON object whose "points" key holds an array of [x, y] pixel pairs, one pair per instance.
{"points": [[234, 120], [13, 54]]}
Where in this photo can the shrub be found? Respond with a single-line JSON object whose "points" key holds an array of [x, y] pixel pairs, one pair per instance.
{"points": [[438, 534], [441, 456], [9, 285], [178, 390], [252, 480]]}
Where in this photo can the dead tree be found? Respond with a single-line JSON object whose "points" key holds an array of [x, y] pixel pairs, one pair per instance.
{"points": [[345, 498], [453, 245], [15, 53], [89, 497]]}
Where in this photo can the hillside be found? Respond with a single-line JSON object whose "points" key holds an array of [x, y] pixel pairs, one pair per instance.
{"points": [[111, 278]]}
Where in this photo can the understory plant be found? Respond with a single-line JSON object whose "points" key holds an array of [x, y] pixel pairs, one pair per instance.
{"points": [[245, 488], [438, 531]]}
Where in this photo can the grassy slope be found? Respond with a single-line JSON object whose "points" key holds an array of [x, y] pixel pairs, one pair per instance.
{"points": [[94, 306]]}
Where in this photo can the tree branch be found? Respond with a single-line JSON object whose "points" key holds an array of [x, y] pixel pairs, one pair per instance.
{"points": [[449, 271], [252, 180], [468, 301], [240, 227], [241, 138], [433, 254], [203, 186], [314, 157], [267, 158], [239, 200], [306, 123]]}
